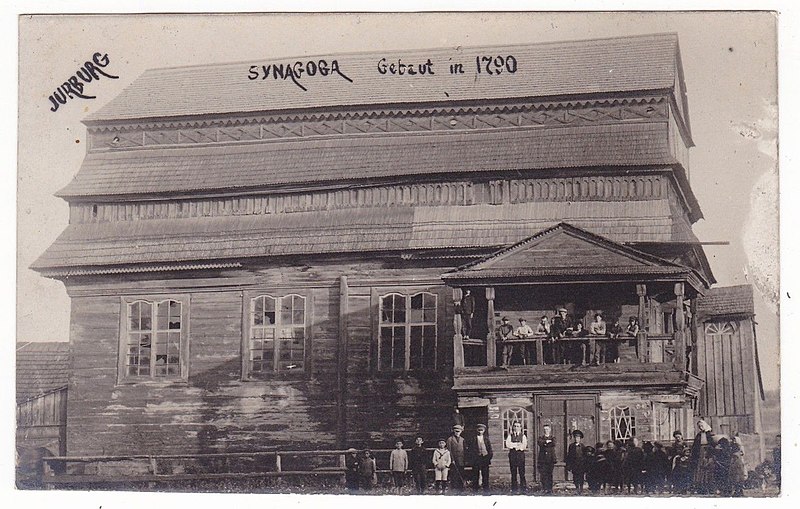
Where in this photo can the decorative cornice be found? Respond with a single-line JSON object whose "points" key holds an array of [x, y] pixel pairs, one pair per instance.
{"points": [[338, 124]]}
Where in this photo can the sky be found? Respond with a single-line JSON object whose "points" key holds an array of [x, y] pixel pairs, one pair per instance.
{"points": [[729, 62]]}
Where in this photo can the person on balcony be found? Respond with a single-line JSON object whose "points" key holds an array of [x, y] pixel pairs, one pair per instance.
{"points": [[467, 313], [524, 331], [577, 347], [505, 333], [544, 326], [561, 328], [597, 328], [633, 327], [610, 351]]}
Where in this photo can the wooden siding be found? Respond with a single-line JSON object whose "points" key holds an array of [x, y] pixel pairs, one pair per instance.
{"points": [[726, 363], [214, 409], [458, 193], [42, 422]]}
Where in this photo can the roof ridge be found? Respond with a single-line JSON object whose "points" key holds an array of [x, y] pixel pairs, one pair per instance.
{"points": [[433, 49]]}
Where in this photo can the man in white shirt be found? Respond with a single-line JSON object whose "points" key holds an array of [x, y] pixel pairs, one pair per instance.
{"points": [[517, 444]]}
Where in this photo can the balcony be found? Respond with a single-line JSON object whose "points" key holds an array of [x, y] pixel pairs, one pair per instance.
{"points": [[657, 366]]}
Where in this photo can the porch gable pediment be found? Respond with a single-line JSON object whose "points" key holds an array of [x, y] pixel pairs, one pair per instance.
{"points": [[566, 250]]}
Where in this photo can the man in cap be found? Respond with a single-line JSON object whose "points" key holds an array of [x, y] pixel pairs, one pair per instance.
{"points": [[351, 464], [562, 327], [455, 444], [480, 450], [546, 458], [505, 333], [576, 460]]}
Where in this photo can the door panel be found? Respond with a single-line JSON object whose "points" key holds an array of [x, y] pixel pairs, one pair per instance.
{"points": [[566, 414]]}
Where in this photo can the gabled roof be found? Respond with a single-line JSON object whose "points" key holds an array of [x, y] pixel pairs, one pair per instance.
{"points": [[565, 250], [169, 170], [726, 301], [621, 64], [41, 368]]}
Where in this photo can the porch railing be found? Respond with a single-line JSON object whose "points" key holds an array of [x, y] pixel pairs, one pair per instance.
{"points": [[540, 349]]}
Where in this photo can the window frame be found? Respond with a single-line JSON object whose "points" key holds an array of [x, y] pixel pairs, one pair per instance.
{"points": [[277, 294], [408, 294], [524, 419], [183, 350], [626, 413]]}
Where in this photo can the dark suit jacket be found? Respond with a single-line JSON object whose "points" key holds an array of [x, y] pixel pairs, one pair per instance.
{"points": [[576, 458], [472, 448], [547, 451]]}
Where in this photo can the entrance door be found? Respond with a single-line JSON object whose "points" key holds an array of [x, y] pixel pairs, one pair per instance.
{"points": [[565, 414]]}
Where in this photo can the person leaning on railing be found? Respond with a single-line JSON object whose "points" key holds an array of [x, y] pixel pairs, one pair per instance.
{"points": [[505, 332], [524, 331]]}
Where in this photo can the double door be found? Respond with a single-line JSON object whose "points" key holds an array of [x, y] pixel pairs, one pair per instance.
{"points": [[565, 414]]}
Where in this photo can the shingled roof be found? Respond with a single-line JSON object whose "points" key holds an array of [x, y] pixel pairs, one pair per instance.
{"points": [[378, 229], [726, 301], [622, 64], [316, 161], [41, 368]]}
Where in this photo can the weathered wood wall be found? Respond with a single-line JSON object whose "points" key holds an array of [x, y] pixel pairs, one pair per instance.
{"points": [[729, 399], [42, 421], [215, 409]]}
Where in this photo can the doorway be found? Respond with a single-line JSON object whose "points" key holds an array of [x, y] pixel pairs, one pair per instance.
{"points": [[566, 413]]}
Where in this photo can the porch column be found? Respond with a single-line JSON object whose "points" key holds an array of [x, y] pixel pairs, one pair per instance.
{"points": [[641, 338], [458, 345], [491, 344], [680, 329]]}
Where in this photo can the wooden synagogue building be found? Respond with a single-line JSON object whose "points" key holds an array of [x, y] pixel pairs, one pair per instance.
{"points": [[283, 260]]}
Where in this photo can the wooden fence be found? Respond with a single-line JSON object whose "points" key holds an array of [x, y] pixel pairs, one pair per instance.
{"points": [[77, 471]]}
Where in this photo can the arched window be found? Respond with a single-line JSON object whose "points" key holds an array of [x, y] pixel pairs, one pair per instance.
{"points": [[277, 334], [721, 329], [407, 335], [155, 337], [512, 415], [623, 423]]}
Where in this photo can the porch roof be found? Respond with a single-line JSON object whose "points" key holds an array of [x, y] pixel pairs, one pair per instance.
{"points": [[565, 252]]}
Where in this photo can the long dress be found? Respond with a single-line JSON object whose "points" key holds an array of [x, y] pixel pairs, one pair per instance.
{"points": [[703, 462]]}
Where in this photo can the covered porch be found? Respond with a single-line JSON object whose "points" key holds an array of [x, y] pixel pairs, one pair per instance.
{"points": [[583, 275]]}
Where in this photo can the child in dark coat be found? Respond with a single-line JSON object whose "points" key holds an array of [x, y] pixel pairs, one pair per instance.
{"points": [[418, 460], [595, 465]]}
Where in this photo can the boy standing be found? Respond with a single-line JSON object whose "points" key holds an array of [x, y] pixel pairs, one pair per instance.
{"points": [[576, 460], [418, 460], [441, 465], [546, 459], [398, 464], [367, 473]]}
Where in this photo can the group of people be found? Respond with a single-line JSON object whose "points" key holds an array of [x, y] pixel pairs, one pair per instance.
{"points": [[566, 339], [710, 465]]}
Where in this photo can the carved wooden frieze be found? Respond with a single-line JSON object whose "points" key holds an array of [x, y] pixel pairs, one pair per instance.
{"points": [[268, 128]]}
